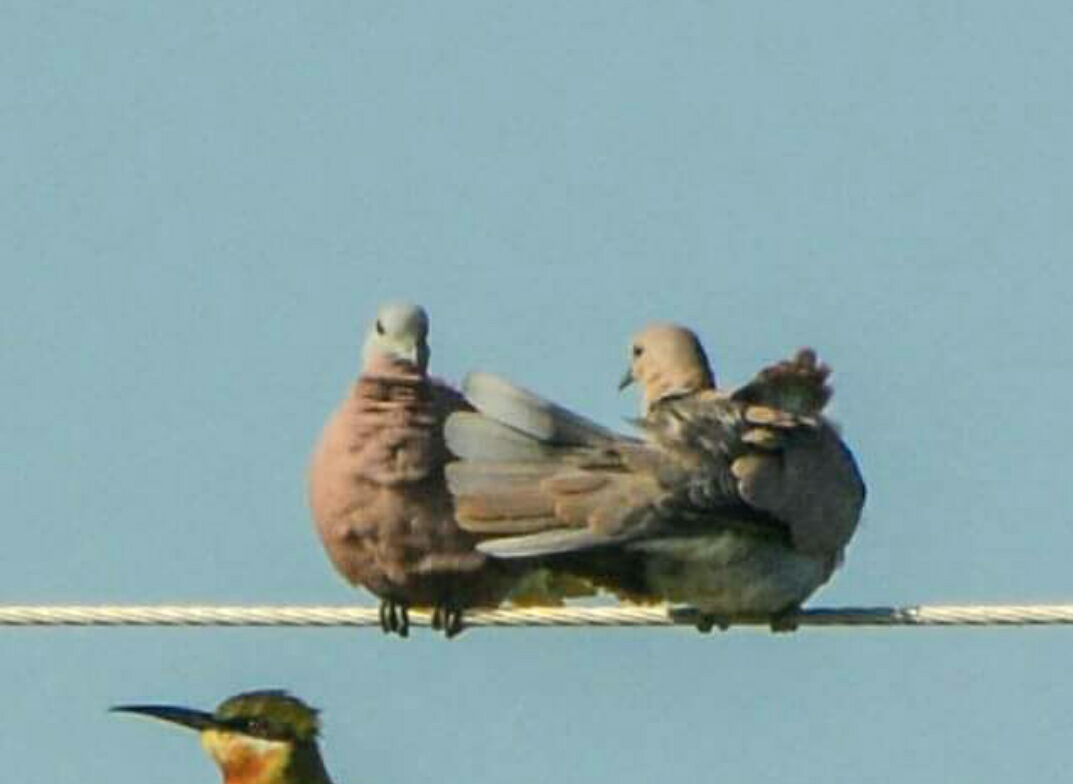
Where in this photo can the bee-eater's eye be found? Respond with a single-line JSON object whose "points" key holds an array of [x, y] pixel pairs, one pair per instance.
{"points": [[255, 727]]}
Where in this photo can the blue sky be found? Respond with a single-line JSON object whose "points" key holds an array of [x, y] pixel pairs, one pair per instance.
{"points": [[204, 202]]}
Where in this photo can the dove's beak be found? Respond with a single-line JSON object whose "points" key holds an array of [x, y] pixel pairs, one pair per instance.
{"points": [[421, 353], [626, 380], [414, 353]]}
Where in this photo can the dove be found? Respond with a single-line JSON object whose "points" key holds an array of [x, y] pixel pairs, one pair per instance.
{"points": [[738, 504], [377, 491]]}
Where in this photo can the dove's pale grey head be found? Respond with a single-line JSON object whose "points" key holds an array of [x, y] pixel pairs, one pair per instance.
{"points": [[667, 360], [400, 332]]}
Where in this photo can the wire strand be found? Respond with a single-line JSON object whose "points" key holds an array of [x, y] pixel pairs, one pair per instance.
{"points": [[182, 615]]}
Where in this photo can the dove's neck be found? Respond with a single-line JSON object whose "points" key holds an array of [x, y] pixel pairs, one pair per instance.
{"points": [[658, 387], [377, 364]]}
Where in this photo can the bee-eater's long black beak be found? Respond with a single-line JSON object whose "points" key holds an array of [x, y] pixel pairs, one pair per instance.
{"points": [[187, 717], [626, 380]]}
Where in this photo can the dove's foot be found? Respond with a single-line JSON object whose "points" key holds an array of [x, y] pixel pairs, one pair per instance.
{"points": [[707, 621], [394, 618], [784, 620], [448, 620], [704, 622]]}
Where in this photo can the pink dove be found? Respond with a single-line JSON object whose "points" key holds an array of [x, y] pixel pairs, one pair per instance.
{"points": [[377, 489]]}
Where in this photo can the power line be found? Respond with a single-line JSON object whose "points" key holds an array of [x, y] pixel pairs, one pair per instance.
{"points": [[192, 615]]}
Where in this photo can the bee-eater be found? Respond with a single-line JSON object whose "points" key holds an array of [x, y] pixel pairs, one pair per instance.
{"points": [[258, 737]]}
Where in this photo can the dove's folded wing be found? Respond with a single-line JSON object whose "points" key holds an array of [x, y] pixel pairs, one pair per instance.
{"points": [[806, 477], [544, 470], [518, 408]]}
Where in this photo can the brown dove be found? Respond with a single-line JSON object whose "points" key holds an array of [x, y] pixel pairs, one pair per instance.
{"points": [[738, 504], [377, 490]]}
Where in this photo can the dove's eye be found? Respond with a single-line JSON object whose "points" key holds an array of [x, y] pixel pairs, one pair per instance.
{"points": [[379, 327], [637, 351]]}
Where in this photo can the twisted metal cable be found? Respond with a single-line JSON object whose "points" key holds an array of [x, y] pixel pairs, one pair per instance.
{"points": [[180, 615]]}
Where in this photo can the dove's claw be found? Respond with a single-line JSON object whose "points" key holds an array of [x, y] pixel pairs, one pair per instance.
{"points": [[784, 620], [394, 618], [448, 620]]}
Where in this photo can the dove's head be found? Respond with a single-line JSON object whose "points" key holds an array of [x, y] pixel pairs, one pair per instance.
{"points": [[400, 333], [667, 360]]}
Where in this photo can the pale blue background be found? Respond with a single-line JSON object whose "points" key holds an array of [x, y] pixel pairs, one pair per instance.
{"points": [[202, 203]]}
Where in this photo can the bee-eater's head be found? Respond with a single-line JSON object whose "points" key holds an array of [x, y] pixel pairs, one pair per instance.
{"points": [[254, 737]]}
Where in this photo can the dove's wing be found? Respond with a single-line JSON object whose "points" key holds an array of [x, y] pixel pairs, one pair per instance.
{"points": [[530, 466], [710, 461], [791, 470], [510, 483], [565, 485], [505, 402], [806, 477]]}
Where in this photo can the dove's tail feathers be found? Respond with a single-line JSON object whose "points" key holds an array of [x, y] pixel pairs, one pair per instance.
{"points": [[554, 542], [798, 385], [525, 411]]}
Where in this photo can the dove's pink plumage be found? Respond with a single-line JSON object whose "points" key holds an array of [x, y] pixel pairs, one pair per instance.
{"points": [[379, 499]]}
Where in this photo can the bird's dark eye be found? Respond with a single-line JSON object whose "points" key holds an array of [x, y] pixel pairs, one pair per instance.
{"points": [[379, 327], [637, 351], [255, 727]]}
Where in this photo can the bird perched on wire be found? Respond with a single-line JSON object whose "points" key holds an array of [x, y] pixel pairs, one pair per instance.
{"points": [[738, 504], [377, 490], [258, 737]]}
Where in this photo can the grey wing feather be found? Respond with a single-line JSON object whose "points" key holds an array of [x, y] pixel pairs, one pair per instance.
{"points": [[476, 437], [498, 398], [545, 543]]}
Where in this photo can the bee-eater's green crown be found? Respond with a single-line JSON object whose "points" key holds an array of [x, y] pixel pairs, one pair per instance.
{"points": [[270, 713]]}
